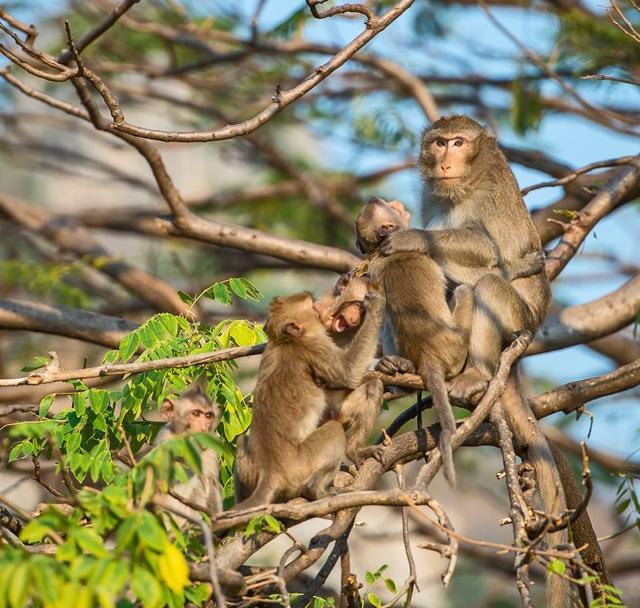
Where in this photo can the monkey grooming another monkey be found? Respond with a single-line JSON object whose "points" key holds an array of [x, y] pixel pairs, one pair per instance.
{"points": [[193, 412], [342, 312], [477, 219], [418, 320], [288, 453]]}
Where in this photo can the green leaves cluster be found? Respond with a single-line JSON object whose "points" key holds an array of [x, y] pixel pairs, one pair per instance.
{"points": [[92, 439]]}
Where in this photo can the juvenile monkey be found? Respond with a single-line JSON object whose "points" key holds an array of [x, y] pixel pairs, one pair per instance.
{"points": [[288, 453], [342, 311], [193, 412], [419, 325]]}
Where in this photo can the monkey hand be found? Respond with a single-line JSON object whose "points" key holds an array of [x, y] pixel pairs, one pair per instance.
{"points": [[374, 297], [530, 264], [404, 240], [394, 364]]}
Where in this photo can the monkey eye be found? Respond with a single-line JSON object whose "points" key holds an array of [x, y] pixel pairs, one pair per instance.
{"points": [[458, 143], [441, 143], [196, 413], [208, 415]]}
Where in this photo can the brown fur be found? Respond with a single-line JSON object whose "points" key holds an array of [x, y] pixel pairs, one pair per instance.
{"points": [[424, 329], [287, 453], [357, 410]]}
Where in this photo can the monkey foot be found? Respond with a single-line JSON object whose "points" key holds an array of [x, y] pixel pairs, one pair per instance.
{"points": [[394, 364], [360, 455], [468, 387]]}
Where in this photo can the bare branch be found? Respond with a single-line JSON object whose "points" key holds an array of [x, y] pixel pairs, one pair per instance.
{"points": [[575, 232], [587, 322], [63, 321]]}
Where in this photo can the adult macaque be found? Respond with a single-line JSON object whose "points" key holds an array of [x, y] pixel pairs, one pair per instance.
{"points": [[476, 217], [288, 452], [342, 311], [193, 412], [419, 325], [477, 220]]}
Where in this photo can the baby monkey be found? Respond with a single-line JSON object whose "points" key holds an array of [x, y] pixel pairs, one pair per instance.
{"points": [[419, 325], [289, 451], [193, 412]]}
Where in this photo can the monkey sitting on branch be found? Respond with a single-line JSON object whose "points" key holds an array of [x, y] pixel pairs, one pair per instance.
{"points": [[477, 220], [193, 412], [288, 452], [419, 323]]}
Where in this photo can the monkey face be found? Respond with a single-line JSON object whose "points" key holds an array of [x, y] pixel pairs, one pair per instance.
{"points": [[191, 412], [449, 152], [377, 219], [200, 419]]}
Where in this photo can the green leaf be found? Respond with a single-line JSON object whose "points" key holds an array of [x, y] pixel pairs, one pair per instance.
{"points": [[146, 588], [222, 293], [390, 585], [16, 451], [556, 566], [90, 542], [238, 288], [173, 569], [128, 345], [79, 404], [370, 577], [111, 356], [18, 587], [36, 363], [45, 404], [73, 442], [99, 400], [272, 523], [185, 297], [151, 533], [374, 600], [34, 531]]}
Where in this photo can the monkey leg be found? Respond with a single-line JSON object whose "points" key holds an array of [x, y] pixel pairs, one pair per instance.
{"points": [[359, 413], [433, 377], [319, 458], [498, 312]]}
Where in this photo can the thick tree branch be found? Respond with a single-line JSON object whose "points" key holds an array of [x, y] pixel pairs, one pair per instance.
{"points": [[64, 321], [590, 321]]}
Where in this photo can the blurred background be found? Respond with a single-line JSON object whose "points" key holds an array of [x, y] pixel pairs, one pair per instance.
{"points": [[188, 65]]}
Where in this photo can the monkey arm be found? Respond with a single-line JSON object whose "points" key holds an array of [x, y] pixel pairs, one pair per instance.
{"points": [[337, 368], [466, 246]]}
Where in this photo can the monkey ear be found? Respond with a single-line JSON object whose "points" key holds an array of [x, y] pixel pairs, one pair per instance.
{"points": [[293, 328], [167, 409]]}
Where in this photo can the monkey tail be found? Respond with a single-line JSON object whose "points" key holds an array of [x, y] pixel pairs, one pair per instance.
{"points": [[433, 378]]}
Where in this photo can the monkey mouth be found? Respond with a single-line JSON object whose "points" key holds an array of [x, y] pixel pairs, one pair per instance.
{"points": [[340, 324]]}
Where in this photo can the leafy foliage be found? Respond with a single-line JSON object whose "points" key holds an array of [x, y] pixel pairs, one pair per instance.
{"points": [[92, 438]]}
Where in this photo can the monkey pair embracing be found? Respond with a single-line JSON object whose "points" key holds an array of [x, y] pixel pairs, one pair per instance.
{"points": [[484, 248], [311, 407]]}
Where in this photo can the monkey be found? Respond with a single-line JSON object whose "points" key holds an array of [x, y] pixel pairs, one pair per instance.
{"points": [[288, 453], [193, 412], [342, 312], [477, 218], [419, 325], [475, 215]]}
